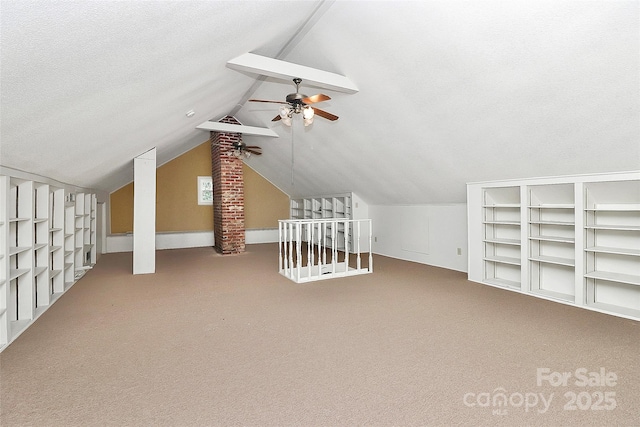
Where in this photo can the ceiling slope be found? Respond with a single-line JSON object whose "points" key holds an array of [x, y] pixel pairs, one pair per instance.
{"points": [[454, 92], [87, 86], [449, 92]]}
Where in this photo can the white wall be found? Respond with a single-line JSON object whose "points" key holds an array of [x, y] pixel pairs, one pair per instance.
{"points": [[188, 239], [428, 234], [144, 213]]}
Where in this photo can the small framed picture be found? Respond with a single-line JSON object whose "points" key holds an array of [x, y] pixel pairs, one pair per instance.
{"points": [[205, 190]]}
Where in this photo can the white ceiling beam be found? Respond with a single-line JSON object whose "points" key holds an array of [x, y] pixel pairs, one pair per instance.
{"points": [[252, 63], [230, 128]]}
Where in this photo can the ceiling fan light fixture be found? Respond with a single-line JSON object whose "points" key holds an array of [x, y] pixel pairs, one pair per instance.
{"points": [[240, 154], [307, 122], [307, 112], [285, 112]]}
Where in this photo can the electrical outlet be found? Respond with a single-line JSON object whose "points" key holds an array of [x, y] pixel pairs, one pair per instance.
{"points": [[459, 251]]}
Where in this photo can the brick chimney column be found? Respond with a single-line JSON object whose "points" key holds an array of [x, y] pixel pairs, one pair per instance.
{"points": [[228, 191]]}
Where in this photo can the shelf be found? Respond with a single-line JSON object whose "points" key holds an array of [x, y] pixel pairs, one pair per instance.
{"points": [[503, 260], [17, 326], [553, 260], [54, 248], [19, 219], [553, 206], [54, 297], [561, 223], [40, 220], [39, 246], [13, 250], [54, 273], [40, 309], [514, 242], [39, 270], [613, 227], [503, 283], [503, 205], [558, 239], [554, 295], [615, 207], [618, 251], [611, 308], [614, 277], [513, 223], [15, 273]]}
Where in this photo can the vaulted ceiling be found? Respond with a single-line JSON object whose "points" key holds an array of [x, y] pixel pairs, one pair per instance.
{"points": [[449, 92]]}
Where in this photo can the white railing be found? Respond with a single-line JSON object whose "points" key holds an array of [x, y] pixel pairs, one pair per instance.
{"points": [[318, 249]]}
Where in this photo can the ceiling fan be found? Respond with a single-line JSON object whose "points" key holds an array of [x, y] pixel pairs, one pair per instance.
{"points": [[297, 103], [240, 149]]}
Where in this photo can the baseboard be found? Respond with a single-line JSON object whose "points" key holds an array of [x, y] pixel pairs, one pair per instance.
{"points": [[261, 235], [187, 239]]}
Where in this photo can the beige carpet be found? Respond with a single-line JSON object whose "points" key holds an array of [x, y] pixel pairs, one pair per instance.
{"points": [[223, 341]]}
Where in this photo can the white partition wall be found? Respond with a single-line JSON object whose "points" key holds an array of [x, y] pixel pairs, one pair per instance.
{"points": [[573, 239], [144, 213]]}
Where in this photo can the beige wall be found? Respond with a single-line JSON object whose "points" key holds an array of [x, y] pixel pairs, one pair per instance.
{"points": [[177, 206]]}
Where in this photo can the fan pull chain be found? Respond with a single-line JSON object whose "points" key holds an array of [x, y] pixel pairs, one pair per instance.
{"points": [[292, 184]]}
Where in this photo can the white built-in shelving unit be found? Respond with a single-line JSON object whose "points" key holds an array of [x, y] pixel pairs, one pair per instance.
{"points": [[319, 207], [612, 246], [38, 256], [329, 207], [325, 207], [501, 236], [4, 257], [572, 239], [551, 240]]}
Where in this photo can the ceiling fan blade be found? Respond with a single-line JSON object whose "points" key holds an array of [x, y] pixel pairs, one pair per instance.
{"points": [[315, 98], [272, 102], [324, 114], [254, 147], [257, 153], [276, 118]]}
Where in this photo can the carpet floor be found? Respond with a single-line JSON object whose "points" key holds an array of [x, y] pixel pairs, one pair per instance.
{"points": [[211, 340]]}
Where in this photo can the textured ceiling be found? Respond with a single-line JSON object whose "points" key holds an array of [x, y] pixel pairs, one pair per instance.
{"points": [[449, 92]]}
